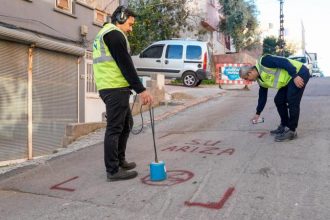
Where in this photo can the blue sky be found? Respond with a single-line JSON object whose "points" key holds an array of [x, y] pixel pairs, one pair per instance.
{"points": [[315, 16]]}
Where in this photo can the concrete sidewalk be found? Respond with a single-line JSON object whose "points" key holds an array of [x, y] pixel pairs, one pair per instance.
{"points": [[178, 98]]}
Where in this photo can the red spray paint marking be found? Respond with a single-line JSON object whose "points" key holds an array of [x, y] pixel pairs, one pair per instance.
{"points": [[201, 146], [57, 186], [260, 134], [201, 149], [213, 205], [173, 177]]}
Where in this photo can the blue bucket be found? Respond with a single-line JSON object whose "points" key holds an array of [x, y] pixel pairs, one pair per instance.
{"points": [[157, 171]]}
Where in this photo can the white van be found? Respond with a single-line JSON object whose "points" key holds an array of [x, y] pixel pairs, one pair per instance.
{"points": [[188, 60]]}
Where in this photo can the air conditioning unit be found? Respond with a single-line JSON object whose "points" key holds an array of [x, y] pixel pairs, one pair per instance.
{"points": [[83, 30]]}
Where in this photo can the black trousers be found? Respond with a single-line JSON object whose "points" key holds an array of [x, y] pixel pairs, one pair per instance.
{"points": [[119, 124], [287, 101]]}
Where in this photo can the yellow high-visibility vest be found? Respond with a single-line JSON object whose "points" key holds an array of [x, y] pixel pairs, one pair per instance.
{"points": [[275, 77], [107, 74]]}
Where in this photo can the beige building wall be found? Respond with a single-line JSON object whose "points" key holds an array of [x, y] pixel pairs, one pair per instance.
{"points": [[204, 17]]}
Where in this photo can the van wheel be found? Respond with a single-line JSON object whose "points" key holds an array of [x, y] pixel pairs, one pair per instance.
{"points": [[189, 79]]}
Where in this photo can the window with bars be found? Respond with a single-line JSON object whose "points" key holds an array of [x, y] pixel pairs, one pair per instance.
{"points": [[90, 82], [100, 17], [221, 37], [65, 5]]}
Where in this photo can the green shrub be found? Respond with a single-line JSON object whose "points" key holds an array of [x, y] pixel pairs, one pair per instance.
{"points": [[208, 82]]}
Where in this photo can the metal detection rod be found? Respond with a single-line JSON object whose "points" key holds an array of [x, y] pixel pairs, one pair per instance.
{"points": [[152, 122]]}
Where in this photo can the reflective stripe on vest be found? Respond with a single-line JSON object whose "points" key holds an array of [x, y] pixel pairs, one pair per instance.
{"points": [[275, 72], [103, 57]]}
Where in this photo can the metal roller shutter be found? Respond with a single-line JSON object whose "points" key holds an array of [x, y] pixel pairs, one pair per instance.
{"points": [[55, 98], [13, 100]]}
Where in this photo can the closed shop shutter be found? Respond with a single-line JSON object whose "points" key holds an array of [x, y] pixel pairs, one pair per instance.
{"points": [[55, 98], [13, 100]]}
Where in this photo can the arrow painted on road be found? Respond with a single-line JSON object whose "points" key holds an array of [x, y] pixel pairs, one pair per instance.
{"points": [[57, 186], [213, 205]]}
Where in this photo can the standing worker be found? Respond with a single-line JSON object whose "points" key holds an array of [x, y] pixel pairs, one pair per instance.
{"points": [[290, 78], [115, 75]]}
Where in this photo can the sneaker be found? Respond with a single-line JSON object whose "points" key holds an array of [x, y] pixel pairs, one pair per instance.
{"points": [[286, 135], [126, 165], [280, 129], [121, 175]]}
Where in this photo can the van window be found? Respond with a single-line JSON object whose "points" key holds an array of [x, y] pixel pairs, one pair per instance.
{"points": [[194, 52], [153, 52], [302, 59], [174, 51]]}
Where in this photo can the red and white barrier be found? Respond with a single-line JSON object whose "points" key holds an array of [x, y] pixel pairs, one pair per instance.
{"points": [[223, 79], [235, 82]]}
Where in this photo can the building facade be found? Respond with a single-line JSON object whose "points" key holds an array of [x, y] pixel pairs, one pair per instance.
{"points": [[46, 74], [204, 18]]}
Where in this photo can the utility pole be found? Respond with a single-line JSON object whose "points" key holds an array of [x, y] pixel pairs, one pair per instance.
{"points": [[281, 37], [303, 42]]}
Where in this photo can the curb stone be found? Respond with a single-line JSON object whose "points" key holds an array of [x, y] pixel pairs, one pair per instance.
{"points": [[92, 139]]}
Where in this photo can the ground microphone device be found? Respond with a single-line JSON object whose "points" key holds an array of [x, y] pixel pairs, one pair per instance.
{"points": [[157, 168], [260, 120]]}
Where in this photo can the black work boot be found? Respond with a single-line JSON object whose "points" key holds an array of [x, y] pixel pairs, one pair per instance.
{"points": [[280, 129], [287, 135], [126, 165], [121, 175]]}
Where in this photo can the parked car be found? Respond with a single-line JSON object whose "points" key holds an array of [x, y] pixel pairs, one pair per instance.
{"points": [[189, 60], [305, 59]]}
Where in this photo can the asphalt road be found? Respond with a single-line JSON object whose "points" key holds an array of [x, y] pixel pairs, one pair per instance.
{"points": [[219, 166]]}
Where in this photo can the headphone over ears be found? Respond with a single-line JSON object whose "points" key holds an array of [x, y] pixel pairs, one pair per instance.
{"points": [[121, 16]]}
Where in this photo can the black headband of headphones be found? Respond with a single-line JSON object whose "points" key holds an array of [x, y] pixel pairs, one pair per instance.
{"points": [[119, 15]]}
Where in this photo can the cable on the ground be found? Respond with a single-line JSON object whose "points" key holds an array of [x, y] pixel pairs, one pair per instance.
{"points": [[141, 129]]}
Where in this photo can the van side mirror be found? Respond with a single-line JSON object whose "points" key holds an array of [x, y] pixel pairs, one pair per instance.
{"points": [[141, 55]]}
